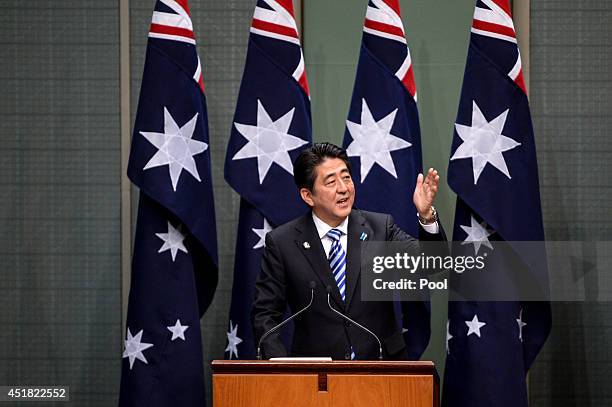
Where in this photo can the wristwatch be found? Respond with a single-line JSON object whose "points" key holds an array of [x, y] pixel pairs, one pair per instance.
{"points": [[432, 219]]}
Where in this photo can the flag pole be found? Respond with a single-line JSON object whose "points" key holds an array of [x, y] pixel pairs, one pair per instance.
{"points": [[126, 188]]}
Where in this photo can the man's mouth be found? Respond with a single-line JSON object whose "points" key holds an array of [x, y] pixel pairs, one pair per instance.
{"points": [[342, 201]]}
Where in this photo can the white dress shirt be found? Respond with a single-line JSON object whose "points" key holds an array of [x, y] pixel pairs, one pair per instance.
{"points": [[326, 241], [323, 228]]}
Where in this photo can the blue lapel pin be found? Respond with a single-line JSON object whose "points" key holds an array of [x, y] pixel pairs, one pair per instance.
{"points": [[363, 236]]}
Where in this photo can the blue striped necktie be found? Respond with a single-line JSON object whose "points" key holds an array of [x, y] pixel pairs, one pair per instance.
{"points": [[337, 261]]}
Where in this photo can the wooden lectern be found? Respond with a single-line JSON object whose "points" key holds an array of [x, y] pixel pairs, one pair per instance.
{"points": [[262, 383]]}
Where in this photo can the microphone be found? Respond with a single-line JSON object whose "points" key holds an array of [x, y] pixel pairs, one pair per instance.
{"points": [[380, 351], [274, 329]]}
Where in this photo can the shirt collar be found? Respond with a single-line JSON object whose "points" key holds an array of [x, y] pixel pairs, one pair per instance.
{"points": [[323, 228]]}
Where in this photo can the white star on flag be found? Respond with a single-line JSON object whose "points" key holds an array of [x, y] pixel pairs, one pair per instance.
{"points": [[262, 234], [178, 330], [176, 148], [373, 141], [521, 324], [133, 348], [484, 142], [477, 234], [474, 326], [268, 141], [448, 336], [173, 241], [233, 341]]}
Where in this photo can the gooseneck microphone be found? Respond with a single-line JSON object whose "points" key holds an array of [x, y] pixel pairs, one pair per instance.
{"points": [[277, 327], [380, 350]]}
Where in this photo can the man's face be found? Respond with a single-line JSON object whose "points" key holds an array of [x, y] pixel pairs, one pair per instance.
{"points": [[333, 192]]}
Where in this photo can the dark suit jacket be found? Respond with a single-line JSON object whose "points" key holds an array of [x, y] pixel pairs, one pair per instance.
{"points": [[288, 267]]}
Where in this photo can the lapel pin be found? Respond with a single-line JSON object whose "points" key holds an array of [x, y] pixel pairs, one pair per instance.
{"points": [[363, 236], [306, 245]]}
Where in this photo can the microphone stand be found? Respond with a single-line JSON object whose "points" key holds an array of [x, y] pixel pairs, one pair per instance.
{"points": [[380, 350], [277, 327]]}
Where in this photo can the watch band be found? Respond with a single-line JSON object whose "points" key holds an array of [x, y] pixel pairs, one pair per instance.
{"points": [[433, 219]]}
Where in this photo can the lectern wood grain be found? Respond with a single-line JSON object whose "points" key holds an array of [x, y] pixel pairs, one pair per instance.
{"points": [[265, 390], [325, 384], [383, 390]]}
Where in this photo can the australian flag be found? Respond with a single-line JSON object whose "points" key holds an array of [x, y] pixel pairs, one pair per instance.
{"points": [[383, 138], [271, 126], [174, 265], [493, 169]]}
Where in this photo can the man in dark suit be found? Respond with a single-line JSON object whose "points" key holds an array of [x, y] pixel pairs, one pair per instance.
{"points": [[323, 247]]}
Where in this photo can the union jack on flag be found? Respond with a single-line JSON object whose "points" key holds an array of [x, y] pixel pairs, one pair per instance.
{"points": [[493, 169], [171, 21], [174, 264], [383, 20], [271, 126], [383, 139]]}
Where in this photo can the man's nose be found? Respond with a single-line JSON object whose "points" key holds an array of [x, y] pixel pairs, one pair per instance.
{"points": [[342, 187]]}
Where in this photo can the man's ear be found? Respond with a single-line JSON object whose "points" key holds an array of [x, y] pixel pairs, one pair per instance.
{"points": [[306, 195]]}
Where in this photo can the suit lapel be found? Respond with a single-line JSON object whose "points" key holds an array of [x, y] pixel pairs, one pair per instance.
{"points": [[311, 247], [356, 227]]}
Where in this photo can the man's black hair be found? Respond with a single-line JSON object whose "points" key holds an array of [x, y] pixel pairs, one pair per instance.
{"points": [[304, 168]]}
